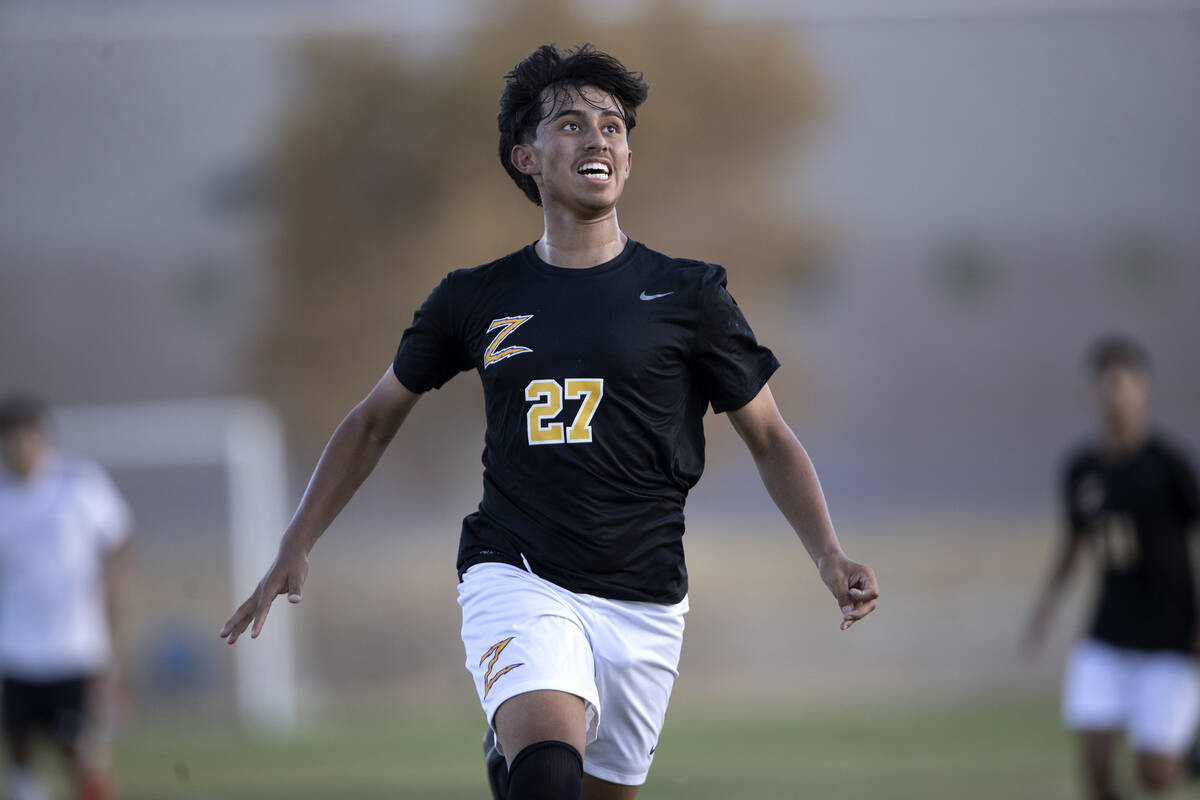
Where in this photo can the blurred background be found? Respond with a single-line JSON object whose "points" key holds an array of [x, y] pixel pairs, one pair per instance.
{"points": [[928, 209]]}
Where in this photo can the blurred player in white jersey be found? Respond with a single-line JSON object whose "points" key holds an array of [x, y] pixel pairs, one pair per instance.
{"points": [[63, 531]]}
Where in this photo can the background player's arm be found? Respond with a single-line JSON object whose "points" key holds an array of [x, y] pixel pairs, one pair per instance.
{"points": [[115, 572], [349, 457], [1194, 553], [1190, 500], [107, 689], [1060, 575], [788, 474]]}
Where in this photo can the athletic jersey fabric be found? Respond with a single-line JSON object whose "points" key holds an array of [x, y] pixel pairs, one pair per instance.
{"points": [[55, 530], [595, 383], [1141, 509]]}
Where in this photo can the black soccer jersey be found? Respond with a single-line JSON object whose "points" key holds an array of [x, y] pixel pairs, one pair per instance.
{"points": [[1140, 510], [595, 383]]}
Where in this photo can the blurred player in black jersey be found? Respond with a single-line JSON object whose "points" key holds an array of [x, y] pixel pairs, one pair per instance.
{"points": [[1131, 495], [599, 358]]}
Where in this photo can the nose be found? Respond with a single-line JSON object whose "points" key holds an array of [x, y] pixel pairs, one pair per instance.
{"points": [[596, 140]]}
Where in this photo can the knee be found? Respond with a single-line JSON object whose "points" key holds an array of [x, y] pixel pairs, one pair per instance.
{"points": [[548, 770], [1157, 773]]}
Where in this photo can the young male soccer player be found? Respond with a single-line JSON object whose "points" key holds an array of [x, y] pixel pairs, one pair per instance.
{"points": [[1132, 496], [599, 358], [63, 527]]}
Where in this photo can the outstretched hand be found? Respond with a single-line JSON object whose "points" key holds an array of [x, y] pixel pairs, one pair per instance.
{"points": [[286, 576], [853, 585]]}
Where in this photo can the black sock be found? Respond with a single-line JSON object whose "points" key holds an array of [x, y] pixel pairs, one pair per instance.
{"points": [[497, 775], [546, 771]]}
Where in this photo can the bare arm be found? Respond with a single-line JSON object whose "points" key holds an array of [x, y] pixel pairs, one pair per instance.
{"points": [[115, 581], [351, 455], [790, 479], [105, 688], [1060, 575], [1194, 555]]}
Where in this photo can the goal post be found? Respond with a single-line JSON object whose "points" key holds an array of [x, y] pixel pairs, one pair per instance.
{"points": [[244, 437]]}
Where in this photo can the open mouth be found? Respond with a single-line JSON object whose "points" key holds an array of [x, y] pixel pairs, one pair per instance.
{"points": [[596, 171]]}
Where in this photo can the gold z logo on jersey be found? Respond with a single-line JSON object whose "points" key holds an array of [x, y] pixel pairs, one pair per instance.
{"points": [[507, 326], [494, 651]]}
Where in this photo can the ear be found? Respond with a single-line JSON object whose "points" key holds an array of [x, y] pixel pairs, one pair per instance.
{"points": [[524, 159], [628, 163]]}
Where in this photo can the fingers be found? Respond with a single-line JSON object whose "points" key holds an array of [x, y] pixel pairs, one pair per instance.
{"points": [[851, 615], [254, 611], [863, 595], [294, 584], [860, 597], [286, 576], [233, 628], [266, 596], [862, 583]]}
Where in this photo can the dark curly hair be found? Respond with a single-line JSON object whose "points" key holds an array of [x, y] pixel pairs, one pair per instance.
{"points": [[22, 410], [521, 103]]}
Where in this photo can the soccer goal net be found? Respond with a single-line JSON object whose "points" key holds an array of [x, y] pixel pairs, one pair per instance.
{"points": [[197, 466]]}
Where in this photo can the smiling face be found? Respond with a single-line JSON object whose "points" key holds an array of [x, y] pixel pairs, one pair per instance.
{"points": [[580, 157]]}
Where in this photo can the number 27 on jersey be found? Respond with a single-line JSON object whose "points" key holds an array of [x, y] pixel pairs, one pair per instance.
{"points": [[547, 396]]}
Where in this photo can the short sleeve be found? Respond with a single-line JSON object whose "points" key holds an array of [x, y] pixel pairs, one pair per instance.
{"points": [[430, 352], [106, 510], [1068, 497], [1082, 493], [1189, 496], [732, 366]]}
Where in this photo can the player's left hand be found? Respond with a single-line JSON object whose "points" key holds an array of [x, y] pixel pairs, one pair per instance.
{"points": [[853, 585]]}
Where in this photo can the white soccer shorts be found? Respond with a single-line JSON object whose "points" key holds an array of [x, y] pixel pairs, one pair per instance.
{"points": [[1154, 696], [523, 633]]}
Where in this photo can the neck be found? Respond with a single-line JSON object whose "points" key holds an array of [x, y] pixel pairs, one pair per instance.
{"points": [[579, 243], [1121, 437]]}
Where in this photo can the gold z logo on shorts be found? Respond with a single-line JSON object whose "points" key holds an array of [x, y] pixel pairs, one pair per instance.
{"points": [[494, 651]]}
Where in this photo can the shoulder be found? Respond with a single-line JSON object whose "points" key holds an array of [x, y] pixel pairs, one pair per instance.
{"points": [[687, 269], [80, 473], [461, 290], [70, 468], [1174, 454], [693, 278], [8, 486], [470, 278], [1080, 459]]}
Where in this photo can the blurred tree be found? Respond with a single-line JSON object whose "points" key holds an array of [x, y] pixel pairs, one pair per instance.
{"points": [[386, 177]]}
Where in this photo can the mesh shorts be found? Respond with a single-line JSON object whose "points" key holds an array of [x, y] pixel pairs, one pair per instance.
{"points": [[523, 633], [57, 707], [1153, 696]]}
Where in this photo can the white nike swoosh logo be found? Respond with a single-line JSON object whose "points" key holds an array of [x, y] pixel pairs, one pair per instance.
{"points": [[645, 296]]}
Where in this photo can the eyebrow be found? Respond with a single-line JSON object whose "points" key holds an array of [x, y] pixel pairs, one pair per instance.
{"points": [[604, 112]]}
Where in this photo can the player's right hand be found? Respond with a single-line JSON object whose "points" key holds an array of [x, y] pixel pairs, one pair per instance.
{"points": [[286, 576]]}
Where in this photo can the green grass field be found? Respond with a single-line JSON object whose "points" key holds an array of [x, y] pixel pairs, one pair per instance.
{"points": [[977, 750], [947, 630]]}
